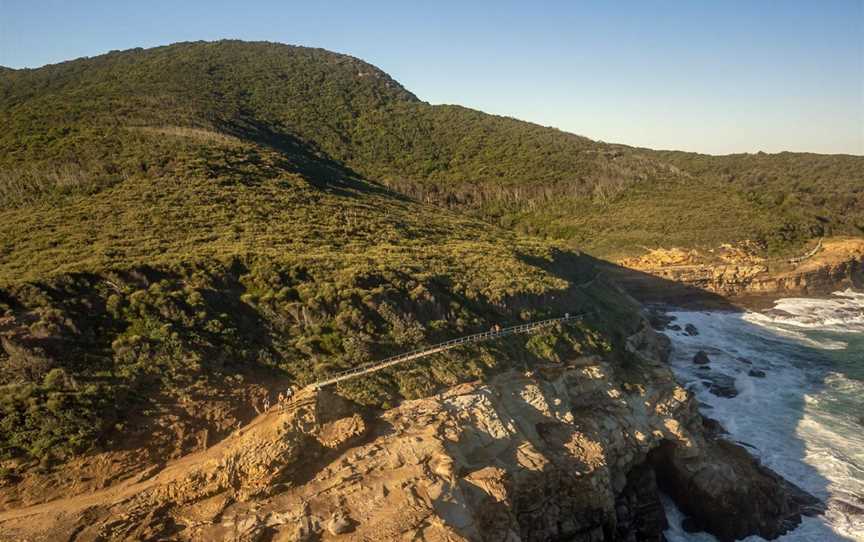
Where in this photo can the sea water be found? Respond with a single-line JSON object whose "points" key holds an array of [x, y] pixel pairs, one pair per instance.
{"points": [[805, 418]]}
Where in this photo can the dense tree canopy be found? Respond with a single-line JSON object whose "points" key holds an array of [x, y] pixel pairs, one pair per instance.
{"points": [[87, 122]]}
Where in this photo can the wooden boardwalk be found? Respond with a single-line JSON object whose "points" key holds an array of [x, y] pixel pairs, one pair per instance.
{"points": [[371, 367]]}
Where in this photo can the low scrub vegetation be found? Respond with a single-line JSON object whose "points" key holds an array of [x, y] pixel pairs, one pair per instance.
{"points": [[133, 112], [189, 220], [83, 350], [236, 263]]}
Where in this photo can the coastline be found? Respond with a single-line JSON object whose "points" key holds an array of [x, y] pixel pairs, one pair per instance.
{"points": [[651, 435], [839, 511], [838, 267]]}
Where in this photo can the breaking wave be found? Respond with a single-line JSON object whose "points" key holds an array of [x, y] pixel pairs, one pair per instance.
{"points": [[796, 376]]}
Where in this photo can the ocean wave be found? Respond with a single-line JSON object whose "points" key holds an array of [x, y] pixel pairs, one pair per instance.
{"points": [[842, 313], [802, 418]]}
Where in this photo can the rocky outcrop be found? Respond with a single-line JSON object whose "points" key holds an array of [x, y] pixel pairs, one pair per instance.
{"points": [[560, 455], [648, 345], [701, 358], [839, 263], [729, 494], [577, 451]]}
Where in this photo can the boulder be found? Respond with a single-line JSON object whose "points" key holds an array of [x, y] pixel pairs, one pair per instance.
{"points": [[339, 523], [659, 319], [712, 427], [691, 330], [728, 493], [701, 358], [649, 345], [721, 385]]}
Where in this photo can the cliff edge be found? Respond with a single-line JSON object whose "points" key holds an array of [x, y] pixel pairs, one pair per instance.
{"points": [[739, 275], [576, 450]]}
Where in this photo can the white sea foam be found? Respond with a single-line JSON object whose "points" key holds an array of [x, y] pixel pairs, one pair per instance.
{"points": [[842, 313], [802, 418]]}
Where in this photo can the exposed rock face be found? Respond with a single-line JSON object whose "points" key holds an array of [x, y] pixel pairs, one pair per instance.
{"points": [[638, 508], [728, 494], [649, 346], [575, 452], [839, 264], [559, 456]]}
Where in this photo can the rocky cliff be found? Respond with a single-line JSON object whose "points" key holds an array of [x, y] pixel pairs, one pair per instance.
{"points": [[734, 272], [576, 450]]}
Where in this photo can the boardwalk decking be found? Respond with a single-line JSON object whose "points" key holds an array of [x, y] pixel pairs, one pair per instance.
{"points": [[371, 367]]}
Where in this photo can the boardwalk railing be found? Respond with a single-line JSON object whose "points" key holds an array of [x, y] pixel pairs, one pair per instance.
{"points": [[809, 255], [373, 366]]}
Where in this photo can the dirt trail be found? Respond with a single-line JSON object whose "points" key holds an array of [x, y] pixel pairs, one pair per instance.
{"points": [[147, 478]]}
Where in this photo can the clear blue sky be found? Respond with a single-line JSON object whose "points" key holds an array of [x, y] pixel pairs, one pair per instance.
{"points": [[713, 77]]}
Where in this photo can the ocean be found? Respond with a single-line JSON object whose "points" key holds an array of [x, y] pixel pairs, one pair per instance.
{"points": [[805, 417]]}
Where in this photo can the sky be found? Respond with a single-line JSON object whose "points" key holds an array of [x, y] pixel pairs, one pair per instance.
{"points": [[714, 77]]}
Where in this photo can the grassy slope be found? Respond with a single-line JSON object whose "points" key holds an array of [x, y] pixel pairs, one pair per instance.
{"points": [[262, 210], [174, 219], [171, 266], [609, 199]]}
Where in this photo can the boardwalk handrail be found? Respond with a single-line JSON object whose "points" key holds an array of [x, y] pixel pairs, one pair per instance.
{"points": [[373, 366], [807, 256]]}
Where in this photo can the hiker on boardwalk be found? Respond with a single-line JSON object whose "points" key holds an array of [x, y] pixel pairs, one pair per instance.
{"points": [[285, 397]]}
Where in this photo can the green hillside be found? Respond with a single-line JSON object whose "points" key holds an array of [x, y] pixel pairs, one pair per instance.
{"points": [[196, 224], [85, 120], [167, 256]]}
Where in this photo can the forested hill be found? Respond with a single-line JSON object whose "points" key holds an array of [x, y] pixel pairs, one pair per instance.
{"points": [[186, 228], [86, 120]]}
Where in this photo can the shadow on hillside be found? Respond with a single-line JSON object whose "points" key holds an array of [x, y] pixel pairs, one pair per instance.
{"points": [[652, 290], [312, 163], [150, 397], [583, 269], [571, 266]]}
